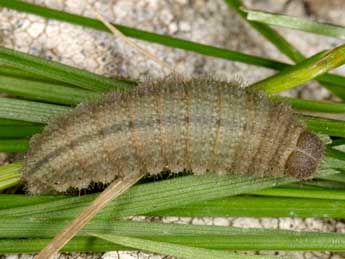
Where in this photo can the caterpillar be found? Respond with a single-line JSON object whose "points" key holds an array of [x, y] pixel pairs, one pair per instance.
{"points": [[199, 124]]}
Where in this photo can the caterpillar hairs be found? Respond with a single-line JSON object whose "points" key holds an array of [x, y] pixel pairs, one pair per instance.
{"points": [[200, 124]]}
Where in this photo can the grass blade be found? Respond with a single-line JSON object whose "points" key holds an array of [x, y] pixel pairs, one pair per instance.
{"points": [[337, 178], [19, 131], [330, 81], [302, 193], [14, 145], [90, 244], [9, 175], [203, 49], [137, 201], [325, 126], [259, 206], [11, 71], [139, 34], [296, 23], [212, 237], [145, 198], [82, 244], [177, 250], [9, 122], [59, 72], [317, 106], [30, 111], [236, 206], [46, 92], [303, 71], [271, 35]]}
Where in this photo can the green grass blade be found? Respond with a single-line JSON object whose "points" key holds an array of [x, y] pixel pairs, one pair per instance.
{"points": [[337, 154], [330, 81], [337, 178], [11, 71], [145, 198], [30, 111], [317, 184], [19, 131], [302, 193], [271, 35], [311, 105], [17, 200], [9, 122], [296, 23], [303, 71], [337, 142], [90, 244], [9, 175], [237, 206], [259, 206], [325, 126], [46, 92], [82, 244], [176, 250], [59, 72], [140, 34], [213, 237], [14, 145], [336, 90]]}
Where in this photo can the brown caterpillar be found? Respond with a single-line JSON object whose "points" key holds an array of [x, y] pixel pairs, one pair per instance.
{"points": [[202, 125]]}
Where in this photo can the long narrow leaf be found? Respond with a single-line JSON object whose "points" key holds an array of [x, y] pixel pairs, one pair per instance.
{"points": [[11, 71], [177, 250], [330, 81], [82, 244], [90, 244], [303, 71], [46, 92], [164, 40], [145, 198], [325, 126], [259, 206], [139, 34], [30, 111], [14, 145], [237, 206], [214, 237], [19, 131], [9, 175], [60, 72], [316, 106], [9, 122], [271, 35], [297, 23], [338, 178], [302, 193]]}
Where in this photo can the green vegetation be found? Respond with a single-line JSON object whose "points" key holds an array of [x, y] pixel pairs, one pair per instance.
{"points": [[41, 90]]}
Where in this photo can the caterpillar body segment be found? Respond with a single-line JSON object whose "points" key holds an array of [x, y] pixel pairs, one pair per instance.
{"points": [[203, 125]]}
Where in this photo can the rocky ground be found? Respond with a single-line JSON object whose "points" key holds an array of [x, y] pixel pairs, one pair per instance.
{"points": [[206, 21]]}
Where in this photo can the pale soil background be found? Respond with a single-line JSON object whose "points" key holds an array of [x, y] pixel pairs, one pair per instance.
{"points": [[206, 21]]}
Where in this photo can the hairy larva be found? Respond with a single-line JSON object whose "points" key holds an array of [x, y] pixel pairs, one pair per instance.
{"points": [[203, 125], [199, 124]]}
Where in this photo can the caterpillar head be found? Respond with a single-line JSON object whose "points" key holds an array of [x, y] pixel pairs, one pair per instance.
{"points": [[306, 157]]}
